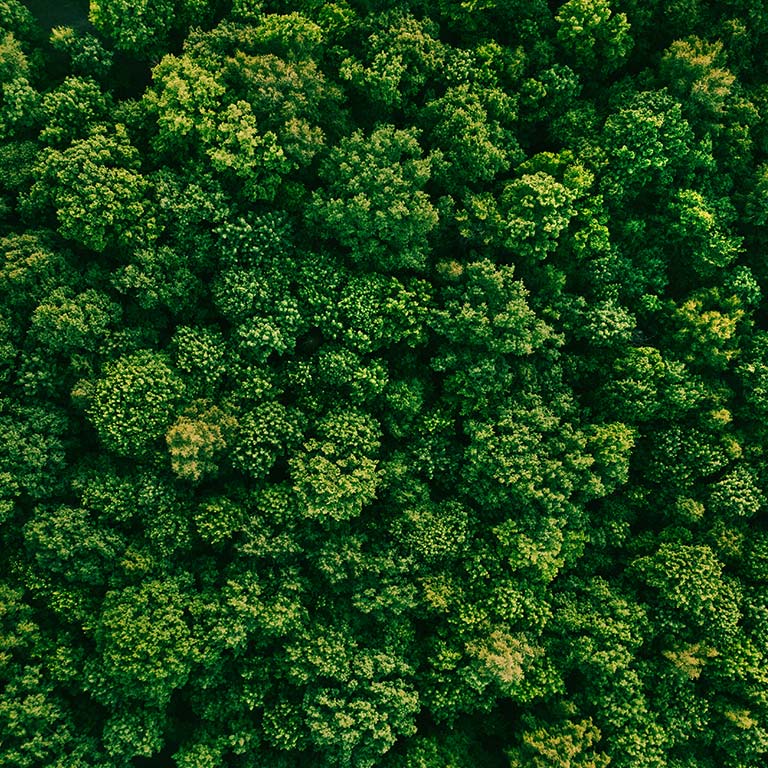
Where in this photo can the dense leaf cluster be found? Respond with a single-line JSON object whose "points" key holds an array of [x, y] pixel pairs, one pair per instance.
{"points": [[384, 384]]}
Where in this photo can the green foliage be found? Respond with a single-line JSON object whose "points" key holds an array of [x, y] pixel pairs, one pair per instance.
{"points": [[263, 434], [695, 71], [568, 745], [32, 452], [144, 643], [19, 101], [649, 144], [537, 210], [374, 203], [400, 57], [595, 37], [487, 309], [144, 29], [87, 56], [473, 143], [383, 384], [70, 111], [691, 584], [336, 474], [159, 278], [134, 402], [194, 441], [95, 190], [63, 322]]}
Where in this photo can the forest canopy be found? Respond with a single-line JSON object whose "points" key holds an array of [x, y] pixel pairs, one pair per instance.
{"points": [[384, 384]]}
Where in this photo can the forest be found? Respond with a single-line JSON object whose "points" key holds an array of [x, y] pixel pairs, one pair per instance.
{"points": [[384, 384]]}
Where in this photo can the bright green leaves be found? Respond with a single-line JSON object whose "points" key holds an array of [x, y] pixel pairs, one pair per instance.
{"points": [[290, 97], [648, 143], [257, 160], [38, 725], [645, 386], [598, 628], [593, 36], [87, 56], [379, 311], [564, 745], [355, 729], [71, 109], [263, 434], [373, 202], [538, 209], [692, 587], [32, 452], [186, 98], [384, 390], [159, 277], [144, 642], [700, 229], [526, 458], [357, 700], [611, 445], [195, 440], [254, 290], [199, 355], [737, 494], [19, 101], [64, 322], [707, 329], [336, 474], [402, 56], [66, 541], [143, 28], [139, 29], [474, 142], [432, 531], [249, 101], [96, 192], [31, 269], [696, 73], [501, 660], [135, 401], [753, 373], [486, 308]]}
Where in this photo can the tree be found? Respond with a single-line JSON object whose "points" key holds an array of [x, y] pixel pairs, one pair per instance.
{"points": [[649, 144], [383, 385], [473, 145], [159, 278], [72, 109], [93, 187], [695, 71], [373, 202], [568, 745], [195, 440], [134, 402], [593, 36], [486, 308], [537, 209], [336, 474], [144, 644], [19, 101], [67, 323], [692, 587], [87, 56], [401, 57], [262, 435], [144, 30]]}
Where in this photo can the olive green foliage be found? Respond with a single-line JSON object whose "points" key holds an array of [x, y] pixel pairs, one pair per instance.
{"points": [[384, 384]]}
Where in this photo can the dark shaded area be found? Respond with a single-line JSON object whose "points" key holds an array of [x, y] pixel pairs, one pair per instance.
{"points": [[60, 13]]}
